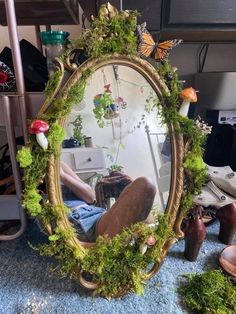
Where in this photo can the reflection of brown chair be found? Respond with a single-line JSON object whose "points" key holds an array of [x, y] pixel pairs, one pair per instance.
{"points": [[110, 187]]}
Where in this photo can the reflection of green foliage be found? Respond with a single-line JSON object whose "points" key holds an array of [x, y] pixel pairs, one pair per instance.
{"points": [[77, 129], [151, 102], [115, 167], [210, 292], [102, 110], [24, 157]]}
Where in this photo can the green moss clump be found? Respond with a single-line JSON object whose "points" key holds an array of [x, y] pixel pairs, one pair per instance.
{"points": [[194, 139], [58, 246], [24, 157], [62, 106], [210, 292], [117, 265], [55, 137], [194, 162], [32, 201], [52, 83], [110, 35], [35, 172]]}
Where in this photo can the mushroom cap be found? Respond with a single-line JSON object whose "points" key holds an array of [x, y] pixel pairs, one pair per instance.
{"points": [[151, 240], [38, 126], [188, 94]]}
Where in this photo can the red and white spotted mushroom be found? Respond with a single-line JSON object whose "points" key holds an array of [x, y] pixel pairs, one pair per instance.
{"points": [[38, 127], [188, 95]]}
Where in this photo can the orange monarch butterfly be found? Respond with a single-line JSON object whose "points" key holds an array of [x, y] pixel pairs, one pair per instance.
{"points": [[148, 48]]}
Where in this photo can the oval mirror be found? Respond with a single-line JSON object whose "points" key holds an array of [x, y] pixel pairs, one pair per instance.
{"points": [[122, 142]]}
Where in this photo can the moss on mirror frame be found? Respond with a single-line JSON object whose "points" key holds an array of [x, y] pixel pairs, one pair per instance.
{"points": [[33, 159], [194, 137], [58, 242], [52, 83], [110, 283], [111, 33], [118, 265]]}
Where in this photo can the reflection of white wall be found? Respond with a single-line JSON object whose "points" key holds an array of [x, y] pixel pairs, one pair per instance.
{"points": [[135, 157]]}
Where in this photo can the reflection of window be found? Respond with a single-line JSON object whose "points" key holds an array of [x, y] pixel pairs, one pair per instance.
{"points": [[160, 151]]}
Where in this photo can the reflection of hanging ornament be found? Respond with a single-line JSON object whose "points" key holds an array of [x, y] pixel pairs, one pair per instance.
{"points": [[111, 110], [141, 89], [121, 102], [107, 88]]}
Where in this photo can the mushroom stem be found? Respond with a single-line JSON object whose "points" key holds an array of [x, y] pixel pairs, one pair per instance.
{"points": [[42, 140], [183, 111], [143, 248]]}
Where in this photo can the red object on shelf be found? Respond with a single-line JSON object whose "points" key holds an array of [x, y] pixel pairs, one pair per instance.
{"points": [[3, 77]]}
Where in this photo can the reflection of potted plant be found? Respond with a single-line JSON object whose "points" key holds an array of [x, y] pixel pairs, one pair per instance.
{"points": [[77, 130], [105, 108], [115, 167]]}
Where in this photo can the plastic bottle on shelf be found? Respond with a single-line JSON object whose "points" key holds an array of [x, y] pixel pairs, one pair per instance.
{"points": [[54, 43]]}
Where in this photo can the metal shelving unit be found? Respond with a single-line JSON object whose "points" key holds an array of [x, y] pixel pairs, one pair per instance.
{"points": [[13, 201], [17, 107]]}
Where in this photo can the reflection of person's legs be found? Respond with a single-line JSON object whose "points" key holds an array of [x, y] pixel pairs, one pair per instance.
{"points": [[132, 206]]}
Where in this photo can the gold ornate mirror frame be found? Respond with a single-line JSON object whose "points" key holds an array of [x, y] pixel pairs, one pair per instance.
{"points": [[53, 180], [116, 266]]}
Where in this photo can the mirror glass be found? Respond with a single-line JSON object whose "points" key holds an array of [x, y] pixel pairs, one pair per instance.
{"points": [[126, 135]]}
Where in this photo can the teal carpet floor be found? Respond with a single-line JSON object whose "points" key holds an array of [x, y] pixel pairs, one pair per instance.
{"points": [[28, 285]]}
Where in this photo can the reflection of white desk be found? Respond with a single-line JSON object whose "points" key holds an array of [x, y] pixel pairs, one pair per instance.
{"points": [[85, 161]]}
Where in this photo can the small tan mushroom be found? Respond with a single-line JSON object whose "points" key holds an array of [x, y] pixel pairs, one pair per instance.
{"points": [[187, 95]]}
